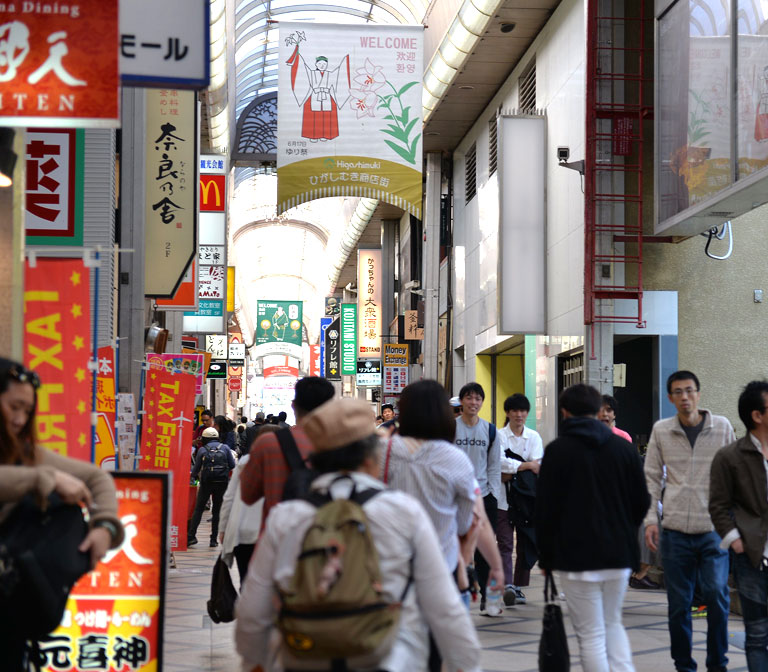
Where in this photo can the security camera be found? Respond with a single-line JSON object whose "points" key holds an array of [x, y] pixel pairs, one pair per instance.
{"points": [[563, 154]]}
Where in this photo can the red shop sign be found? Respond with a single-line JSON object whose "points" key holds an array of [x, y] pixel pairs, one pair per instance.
{"points": [[59, 68]]}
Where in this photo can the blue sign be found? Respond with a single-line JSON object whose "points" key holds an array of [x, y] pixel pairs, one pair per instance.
{"points": [[208, 308], [325, 322]]}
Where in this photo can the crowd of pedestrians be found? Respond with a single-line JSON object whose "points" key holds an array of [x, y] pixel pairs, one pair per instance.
{"points": [[361, 542]]}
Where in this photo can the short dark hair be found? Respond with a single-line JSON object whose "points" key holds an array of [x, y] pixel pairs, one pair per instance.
{"points": [[470, 388], [517, 402], [751, 399], [207, 412], [346, 458], [682, 375], [243, 419], [282, 416], [610, 402], [389, 406], [580, 400], [425, 412], [312, 392]]}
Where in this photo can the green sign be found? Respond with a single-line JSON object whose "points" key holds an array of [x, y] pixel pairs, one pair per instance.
{"points": [[348, 339], [279, 322]]}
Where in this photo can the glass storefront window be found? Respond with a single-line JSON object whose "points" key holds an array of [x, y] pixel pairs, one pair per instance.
{"points": [[752, 86], [694, 103]]}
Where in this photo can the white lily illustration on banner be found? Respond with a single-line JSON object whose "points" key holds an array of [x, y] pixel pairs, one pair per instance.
{"points": [[363, 102], [371, 77]]}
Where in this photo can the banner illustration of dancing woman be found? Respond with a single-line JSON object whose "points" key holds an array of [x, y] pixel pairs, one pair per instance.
{"points": [[320, 90]]}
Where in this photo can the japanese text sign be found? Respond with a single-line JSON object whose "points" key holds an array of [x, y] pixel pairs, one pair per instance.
{"points": [[332, 352], [53, 205], [159, 49], [114, 616], [314, 360], [356, 89], [59, 68], [413, 332], [170, 189], [166, 439], [57, 346], [348, 339], [106, 407], [369, 303], [368, 372]]}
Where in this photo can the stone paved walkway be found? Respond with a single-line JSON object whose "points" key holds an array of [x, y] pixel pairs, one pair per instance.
{"points": [[510, 643]]}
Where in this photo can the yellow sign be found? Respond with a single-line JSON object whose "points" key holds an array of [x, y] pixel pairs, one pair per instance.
{"points": [[396, 354], [230, 289]]}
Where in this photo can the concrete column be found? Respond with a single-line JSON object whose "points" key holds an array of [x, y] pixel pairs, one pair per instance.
{"points": [[598, 364], [131, 299], [431, 263]]}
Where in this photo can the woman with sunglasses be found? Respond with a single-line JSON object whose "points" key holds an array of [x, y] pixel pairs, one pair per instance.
{"points": [[27, 469]]}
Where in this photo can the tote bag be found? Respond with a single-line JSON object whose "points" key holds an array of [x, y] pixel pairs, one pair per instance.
{"points": [[221, 606], [553, 646]]}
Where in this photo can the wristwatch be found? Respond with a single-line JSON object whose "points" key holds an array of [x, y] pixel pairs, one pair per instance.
{"points": [[108, 525]]}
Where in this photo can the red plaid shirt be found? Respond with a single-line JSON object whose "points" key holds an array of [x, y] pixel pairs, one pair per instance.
{"points": [[266, 471]]}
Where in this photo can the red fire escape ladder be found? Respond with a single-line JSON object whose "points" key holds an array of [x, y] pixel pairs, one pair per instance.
{"points": [[619, 37]]}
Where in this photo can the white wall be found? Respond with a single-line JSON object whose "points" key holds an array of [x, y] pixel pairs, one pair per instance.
{"points": [[560, 53]]}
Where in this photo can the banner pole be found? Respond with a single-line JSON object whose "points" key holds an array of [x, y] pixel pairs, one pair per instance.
{"points": [[139, 420], [95, 364]]}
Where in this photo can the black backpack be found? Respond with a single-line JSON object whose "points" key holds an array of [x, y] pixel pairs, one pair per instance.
{"points": [[301, 476], [39, 564], [215, 466]]}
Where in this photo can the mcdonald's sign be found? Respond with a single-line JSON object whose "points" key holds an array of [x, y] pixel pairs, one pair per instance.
{"points": [[212, 193]]}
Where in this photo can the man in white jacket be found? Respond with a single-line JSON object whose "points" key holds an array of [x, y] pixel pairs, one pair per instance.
{"points": [[342, 432]]}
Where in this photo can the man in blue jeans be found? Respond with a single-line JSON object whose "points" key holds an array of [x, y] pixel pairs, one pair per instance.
{"points": [[685, 445], [738, 503]]}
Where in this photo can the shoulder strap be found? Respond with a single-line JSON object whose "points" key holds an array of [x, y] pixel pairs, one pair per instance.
{"points": [[386, 461], [290, 450], [491, 435]]}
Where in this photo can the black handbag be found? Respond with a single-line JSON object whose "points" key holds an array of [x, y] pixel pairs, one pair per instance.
{"points": [[39, 563], [221, 606], [553, 646]]}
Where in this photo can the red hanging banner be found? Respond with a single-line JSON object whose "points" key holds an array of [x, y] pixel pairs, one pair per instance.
{"points": [[106, 397], [166, 440], [57, 319]]}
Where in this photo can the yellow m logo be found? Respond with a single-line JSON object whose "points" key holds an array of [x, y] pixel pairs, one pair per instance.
{"points": [[205, 187]]}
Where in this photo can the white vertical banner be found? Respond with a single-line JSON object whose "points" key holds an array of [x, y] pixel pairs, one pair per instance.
{"points": [[369, 309], [349, 113], [522, 285]]}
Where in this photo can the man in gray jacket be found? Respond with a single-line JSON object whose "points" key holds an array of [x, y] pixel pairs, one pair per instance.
{"points": [[738, 503], [690, 548]]}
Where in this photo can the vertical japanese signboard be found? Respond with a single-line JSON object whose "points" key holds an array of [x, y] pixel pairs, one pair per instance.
{"points": [[369, 304], [333, 350], [59, 64], [314, 360], [170, 236], [114, 616], [325, 322], [395, 368], [210, 316], [106, 407], [166, 439], [57, 346], [53, 197], [356, 89], [348, 339]]}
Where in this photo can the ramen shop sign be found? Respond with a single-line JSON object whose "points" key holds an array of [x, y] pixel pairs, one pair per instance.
{"points": [[59, 63]]}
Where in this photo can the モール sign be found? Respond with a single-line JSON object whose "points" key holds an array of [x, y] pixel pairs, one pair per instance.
{"points": [[165, 43], [114, 616], [58, 64], [53, 206], [170, 189]]}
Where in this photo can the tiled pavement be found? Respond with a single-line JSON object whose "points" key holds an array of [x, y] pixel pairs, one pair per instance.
{"points": [[510, 643]]}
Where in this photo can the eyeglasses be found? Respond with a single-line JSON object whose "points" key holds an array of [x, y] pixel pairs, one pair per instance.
{"points": [[688, 390], [24, 376]]}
